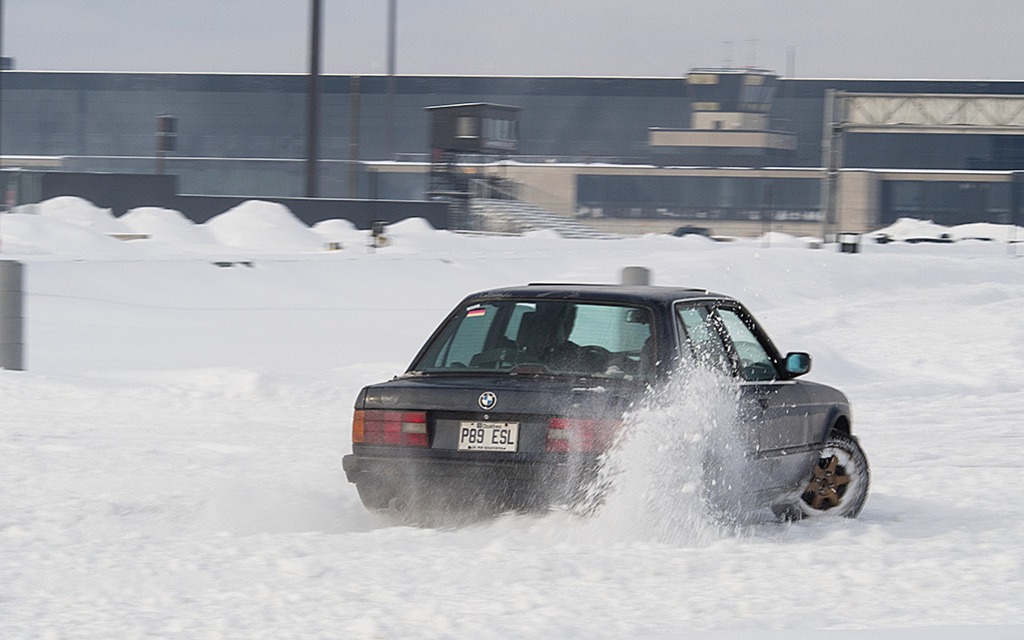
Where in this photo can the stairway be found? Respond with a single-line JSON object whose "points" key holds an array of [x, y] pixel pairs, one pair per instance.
{"points": [[516, 216]]}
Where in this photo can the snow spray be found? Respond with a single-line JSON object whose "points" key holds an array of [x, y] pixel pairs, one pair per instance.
{"points": [[674, 464]]}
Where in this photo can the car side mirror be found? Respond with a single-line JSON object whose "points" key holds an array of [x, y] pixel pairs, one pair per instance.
{"points": [[797, 363]]}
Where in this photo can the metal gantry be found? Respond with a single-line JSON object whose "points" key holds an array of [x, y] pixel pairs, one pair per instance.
{"points": [[982, 114], [933, 113]]}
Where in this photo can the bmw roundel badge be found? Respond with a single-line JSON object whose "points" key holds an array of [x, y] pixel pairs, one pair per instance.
{"points": [[487, 400]]}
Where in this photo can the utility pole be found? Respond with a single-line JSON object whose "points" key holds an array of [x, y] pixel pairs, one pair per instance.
{"points": [[390, 110], [3, 183], [12, 292], [353, 138], [313, 101]]}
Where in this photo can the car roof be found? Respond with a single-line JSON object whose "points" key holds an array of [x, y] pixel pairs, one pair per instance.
{"points": [[638, 294]]}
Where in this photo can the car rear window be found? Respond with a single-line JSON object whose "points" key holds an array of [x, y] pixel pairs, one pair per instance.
{"points": [[544, 337]]}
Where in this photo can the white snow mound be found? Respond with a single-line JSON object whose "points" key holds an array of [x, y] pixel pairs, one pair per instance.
{"points": [[260, 225], [776, 239], [80, 212], [341, 231], [411, 227], [910, 228], [165, 225], [28, 234]]}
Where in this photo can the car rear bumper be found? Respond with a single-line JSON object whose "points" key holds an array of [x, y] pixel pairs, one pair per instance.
{"points": [[510, 482]]}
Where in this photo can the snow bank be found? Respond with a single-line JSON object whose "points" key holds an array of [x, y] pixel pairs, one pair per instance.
{"points": [[81, 212], [263, 226], [776, 239], [411, 227], [988, 231], [167, 226], [910, 229], [27, 235], [343, 233]]}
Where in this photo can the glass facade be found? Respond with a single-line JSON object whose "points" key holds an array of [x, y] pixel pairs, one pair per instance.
{"points": [[699, 197], [947, 202], [934, 151]]}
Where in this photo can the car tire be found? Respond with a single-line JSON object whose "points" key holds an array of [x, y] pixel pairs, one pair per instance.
{"points": [[838, 483]]}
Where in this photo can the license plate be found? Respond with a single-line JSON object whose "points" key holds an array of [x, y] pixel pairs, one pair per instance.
{"points": [[488, 436]]}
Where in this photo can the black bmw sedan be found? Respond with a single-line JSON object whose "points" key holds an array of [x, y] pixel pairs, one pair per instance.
{"points": [[516, 396]]}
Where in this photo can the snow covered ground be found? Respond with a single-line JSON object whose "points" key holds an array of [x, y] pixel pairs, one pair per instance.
{"points": [[169, 461]]}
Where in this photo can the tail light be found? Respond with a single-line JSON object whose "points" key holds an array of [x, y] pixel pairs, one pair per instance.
{"points": [[581, 435], [405, 428]]}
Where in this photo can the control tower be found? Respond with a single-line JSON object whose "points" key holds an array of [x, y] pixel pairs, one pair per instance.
{"points": [[478, 131], [729, 123]]}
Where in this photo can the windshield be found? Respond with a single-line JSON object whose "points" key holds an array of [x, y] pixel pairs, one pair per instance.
{"points": [[544, 337]]}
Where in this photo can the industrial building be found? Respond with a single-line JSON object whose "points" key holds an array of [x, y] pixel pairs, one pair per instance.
{"points": [[734, 149]]}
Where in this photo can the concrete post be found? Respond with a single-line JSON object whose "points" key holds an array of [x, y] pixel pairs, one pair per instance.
{"points": [[636, 276], [11, 316], [832, 159]]}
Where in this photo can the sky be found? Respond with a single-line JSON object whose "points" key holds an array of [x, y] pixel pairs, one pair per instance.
{"points": [[663, 38]]}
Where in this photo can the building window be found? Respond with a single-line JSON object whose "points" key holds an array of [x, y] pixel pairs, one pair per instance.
{"points": [[702, 78], [466, 127], [503, 130]]}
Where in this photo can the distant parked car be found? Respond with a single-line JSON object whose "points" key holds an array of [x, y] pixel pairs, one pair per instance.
{"points": [[518, 392], [691, 230]]}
